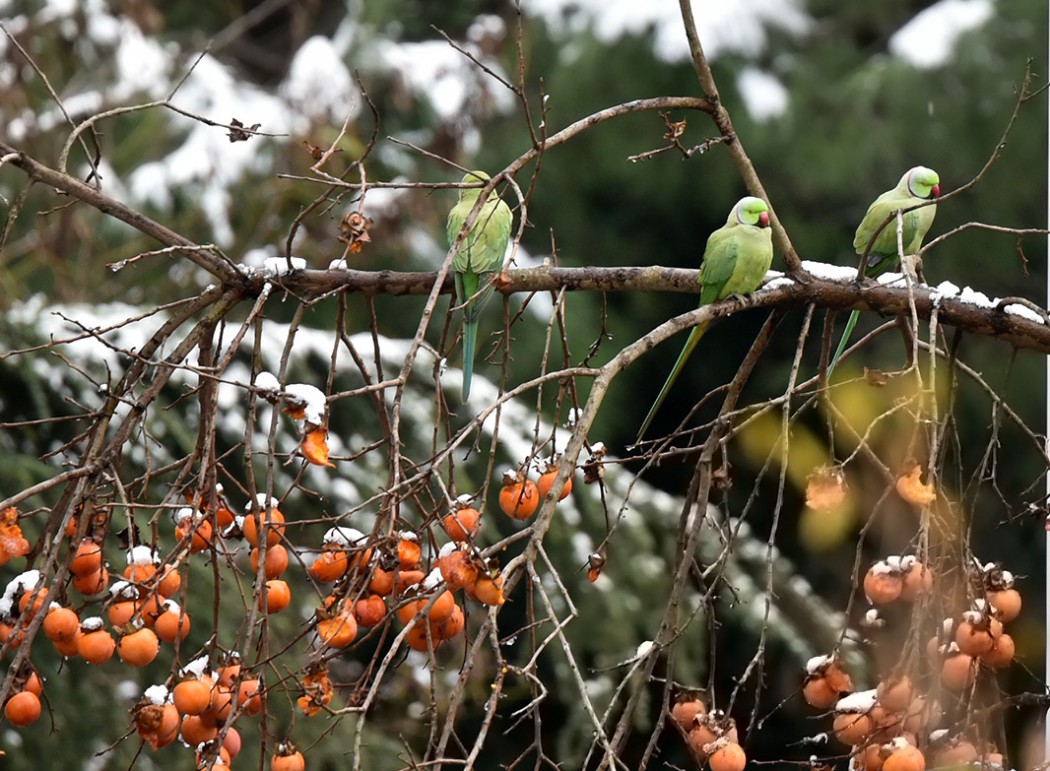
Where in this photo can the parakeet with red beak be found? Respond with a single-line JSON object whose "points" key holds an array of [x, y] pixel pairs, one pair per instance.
{"points": [[917, 185], [736, 259]]}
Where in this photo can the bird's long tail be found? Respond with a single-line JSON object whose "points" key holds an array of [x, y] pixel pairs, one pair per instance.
{"points": [[690, 344], [470, 334], [852, 322]]}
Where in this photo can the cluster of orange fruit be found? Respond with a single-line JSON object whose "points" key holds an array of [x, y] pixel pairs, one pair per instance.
{"points": [[369, 583], [519, 496], [893, 727], [710, 734]]}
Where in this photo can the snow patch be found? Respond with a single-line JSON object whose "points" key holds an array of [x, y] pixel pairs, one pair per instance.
{"points": [[311, 398], [282, 266], [765, 97], [930, 37], [319, 85], [830, 272]]}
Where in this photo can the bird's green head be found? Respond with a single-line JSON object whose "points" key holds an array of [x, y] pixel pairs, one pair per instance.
{"points": [[922, 182], [472, 178], [751, 211]]}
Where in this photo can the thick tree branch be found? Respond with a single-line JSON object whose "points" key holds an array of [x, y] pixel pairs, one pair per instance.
{"points": [[997, 322]]}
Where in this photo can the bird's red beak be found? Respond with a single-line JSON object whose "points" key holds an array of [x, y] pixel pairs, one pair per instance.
{"points": [[935, 191], [763, 219]]}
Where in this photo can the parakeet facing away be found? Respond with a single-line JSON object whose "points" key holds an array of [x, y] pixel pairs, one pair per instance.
{"points": [[479, 256], [735, 261], [917, 185]]}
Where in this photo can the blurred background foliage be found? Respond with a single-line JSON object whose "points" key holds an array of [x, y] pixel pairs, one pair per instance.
{"points": [[850, 115]]}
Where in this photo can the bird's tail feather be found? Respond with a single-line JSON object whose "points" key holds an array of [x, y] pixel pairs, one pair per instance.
{"points": [[690, 344], [470, 333], [852, 322]]}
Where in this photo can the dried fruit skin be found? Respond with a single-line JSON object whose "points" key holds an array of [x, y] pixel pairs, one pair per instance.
{"points": [[458, 570], [911, 488], [314, 447], [825, 489]]}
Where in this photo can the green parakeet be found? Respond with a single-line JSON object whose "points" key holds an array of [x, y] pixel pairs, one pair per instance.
{"points": [[917, 185], [480, 255], [736, 259]]}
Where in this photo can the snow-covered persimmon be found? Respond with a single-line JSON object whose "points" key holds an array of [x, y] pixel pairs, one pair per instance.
{"points": [[409, 551], [462, 523], [172, 624], [287, 758], [196, 530], [882, 583], [518, 497], [727, 756], [904, 757], [331, 565], [255, 520]]}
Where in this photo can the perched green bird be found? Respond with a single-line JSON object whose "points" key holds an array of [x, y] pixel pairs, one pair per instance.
{"points": [[480, 255], [735, 261], [917, 185]]}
